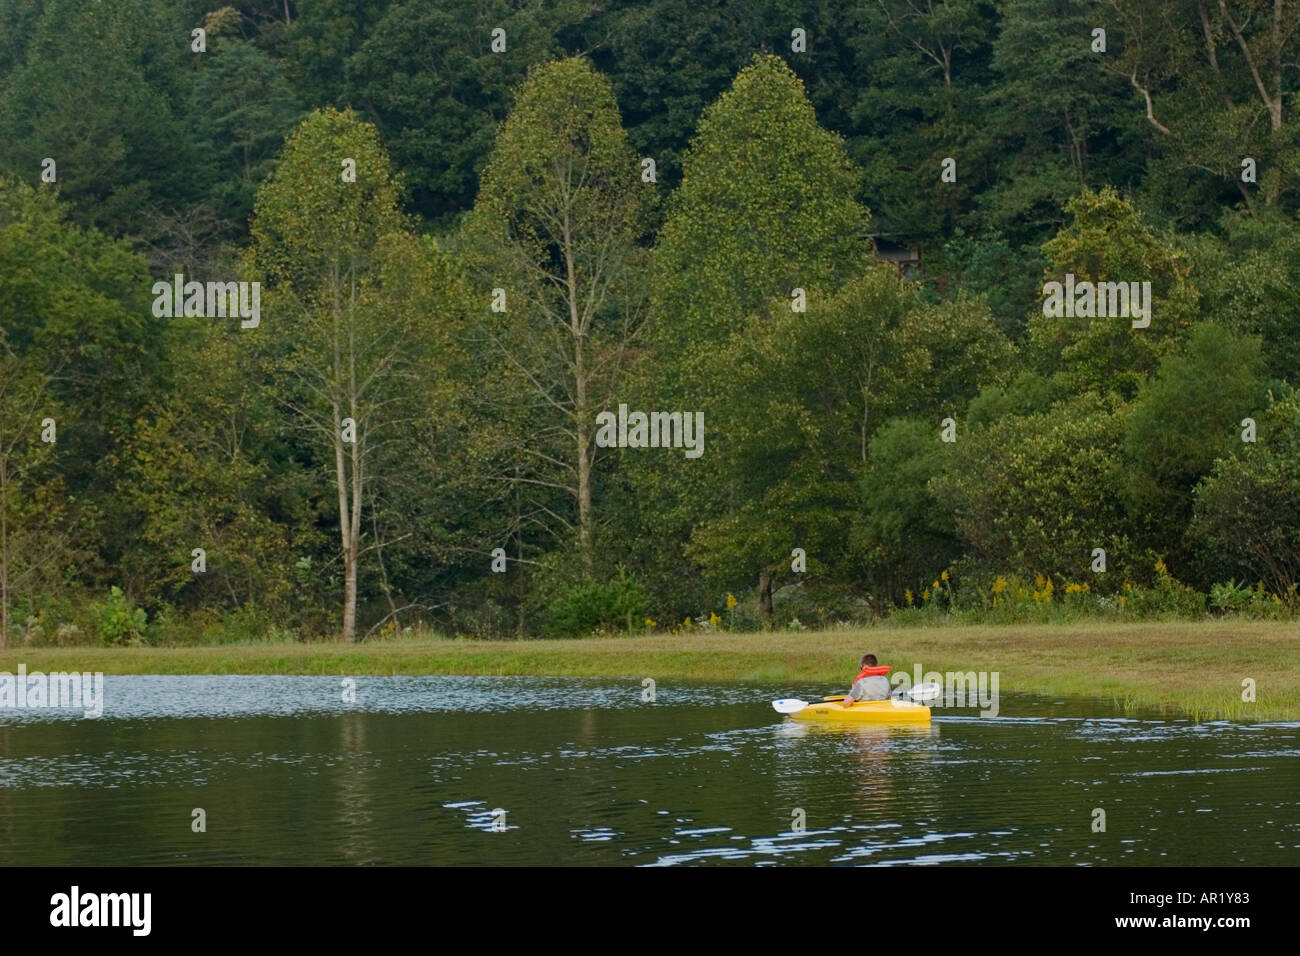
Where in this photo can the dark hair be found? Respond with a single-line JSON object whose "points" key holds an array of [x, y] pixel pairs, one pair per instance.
{"points": [[868, 660]]}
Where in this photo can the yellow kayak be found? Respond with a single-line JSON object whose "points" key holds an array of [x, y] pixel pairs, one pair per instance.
{"points": [[867, 711]]}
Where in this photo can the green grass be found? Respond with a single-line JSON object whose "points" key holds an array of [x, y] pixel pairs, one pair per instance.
{"points": [[1185, 668]]}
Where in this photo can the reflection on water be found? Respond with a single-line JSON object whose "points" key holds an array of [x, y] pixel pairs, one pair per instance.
{"points": [[416, 771]]}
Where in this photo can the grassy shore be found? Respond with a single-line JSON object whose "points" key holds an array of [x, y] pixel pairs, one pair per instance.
{"points": [[1192, 669]]}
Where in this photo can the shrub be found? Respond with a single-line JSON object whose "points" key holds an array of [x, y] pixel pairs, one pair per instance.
{"points": [[1034, 494], [1169, 597], [585, 608], [1248, 509], [1229, 597], [117, 622], [1267, 605]]}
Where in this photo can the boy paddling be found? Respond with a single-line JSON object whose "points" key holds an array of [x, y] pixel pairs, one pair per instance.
{"points": [[871, 683]]}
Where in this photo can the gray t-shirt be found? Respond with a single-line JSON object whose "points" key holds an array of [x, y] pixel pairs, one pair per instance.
{"points": [[871, 688]]}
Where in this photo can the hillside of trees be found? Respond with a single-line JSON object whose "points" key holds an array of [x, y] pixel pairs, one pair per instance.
{"points": [[482, 231]]}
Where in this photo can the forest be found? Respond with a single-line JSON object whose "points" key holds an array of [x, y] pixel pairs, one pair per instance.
{"points": [[508, 318]]}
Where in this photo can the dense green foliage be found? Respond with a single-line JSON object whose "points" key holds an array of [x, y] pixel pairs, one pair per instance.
{"points": [[502, 263]]}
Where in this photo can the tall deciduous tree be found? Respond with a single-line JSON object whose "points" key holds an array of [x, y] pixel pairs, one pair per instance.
{"points": [[557, 222], [346, 367], [767, 204]]}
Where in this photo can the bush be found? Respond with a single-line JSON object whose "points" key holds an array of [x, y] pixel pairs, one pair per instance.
{"points": [[117, 622], [1229, 597], [1035, 494], [1270, 606], [586, 608], [1169, 597], [1248, 510]]}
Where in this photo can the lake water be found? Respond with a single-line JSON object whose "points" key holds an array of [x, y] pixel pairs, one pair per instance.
{"points": [[587, 773]]}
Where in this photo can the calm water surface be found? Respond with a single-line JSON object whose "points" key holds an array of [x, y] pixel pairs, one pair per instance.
{"points": [[588, 774]]}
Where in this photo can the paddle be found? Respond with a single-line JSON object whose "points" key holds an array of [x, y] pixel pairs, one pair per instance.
{"points": [[925, 691], [792, 705], [789, 705]]}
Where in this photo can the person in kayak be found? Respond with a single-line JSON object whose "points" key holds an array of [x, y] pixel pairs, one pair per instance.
{"points": [[872, 684]]}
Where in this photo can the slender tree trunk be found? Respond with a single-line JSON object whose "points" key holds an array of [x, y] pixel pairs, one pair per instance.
{"points": [[581, 410], [349, 510], [350, 550], [518, 531], [350, 596], [866, 411], [584, 468], [341, 482], [345, 535], [354, 551], [354, 532], [765, 593]]}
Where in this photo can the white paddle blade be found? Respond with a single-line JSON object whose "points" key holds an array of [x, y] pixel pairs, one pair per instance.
{"points": [[925, 691], [789, 705]]}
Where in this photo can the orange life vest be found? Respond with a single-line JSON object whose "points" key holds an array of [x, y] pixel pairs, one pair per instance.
{"points": [[872, 672]]}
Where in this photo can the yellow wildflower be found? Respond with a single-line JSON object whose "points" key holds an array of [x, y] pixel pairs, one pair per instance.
{"points": [[944, 576], [731, 601], [908, 595], [713, 619]]}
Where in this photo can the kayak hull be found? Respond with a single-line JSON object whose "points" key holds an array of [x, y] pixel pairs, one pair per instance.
{"points": [[866, 712]]}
